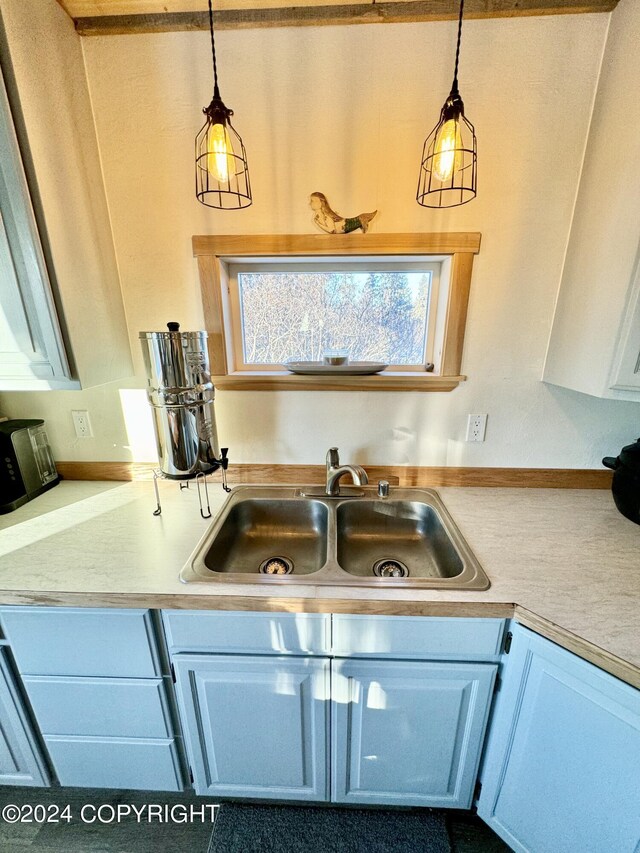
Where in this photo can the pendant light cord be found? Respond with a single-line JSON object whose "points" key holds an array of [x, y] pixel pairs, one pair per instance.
{"points": [[216, 92], [454, 88]]}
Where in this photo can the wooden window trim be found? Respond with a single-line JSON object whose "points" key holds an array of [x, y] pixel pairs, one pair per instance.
{"points": [[211, 252]]}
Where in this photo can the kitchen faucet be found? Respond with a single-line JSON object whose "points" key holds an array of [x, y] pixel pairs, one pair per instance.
{"points": [[335, 472]]}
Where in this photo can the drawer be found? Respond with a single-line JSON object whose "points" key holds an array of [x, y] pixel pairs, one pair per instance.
{"points": [[420, 637], [148, 765], [103, 707], [21, 760], [247, 633], [82, 641]]}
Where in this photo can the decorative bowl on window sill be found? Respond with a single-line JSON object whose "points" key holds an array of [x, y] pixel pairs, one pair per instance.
{"points": [[320, 368]]}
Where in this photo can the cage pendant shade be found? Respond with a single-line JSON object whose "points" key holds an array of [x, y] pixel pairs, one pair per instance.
{"points": [[222, 171], [449, 166]]}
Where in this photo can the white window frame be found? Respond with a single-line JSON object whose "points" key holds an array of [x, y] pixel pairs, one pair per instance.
{"points": [[234, 321]]}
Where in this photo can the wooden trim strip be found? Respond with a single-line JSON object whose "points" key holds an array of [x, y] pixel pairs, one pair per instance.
{"points": [[269, 245], [456, 318], [426, 477], [512, 478], [222, 320], [284, 381], [400, 11], [583, 648], [209, 269], [117, 471], [263, 603]]}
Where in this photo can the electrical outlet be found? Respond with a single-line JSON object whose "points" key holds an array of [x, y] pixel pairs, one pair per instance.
{"points": [[476, 427], [82, 424]]}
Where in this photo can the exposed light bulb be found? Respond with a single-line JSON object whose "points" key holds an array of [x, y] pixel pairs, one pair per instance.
{"points": [[220, 162], [447, 157]]}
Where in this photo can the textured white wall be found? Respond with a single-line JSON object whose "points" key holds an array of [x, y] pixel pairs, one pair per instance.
{"points": [[345, 111]]}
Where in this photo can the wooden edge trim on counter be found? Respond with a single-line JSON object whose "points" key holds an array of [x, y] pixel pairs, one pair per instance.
{"points": [[305, 14], [397, 475], [262, 603], [584, 649], [268, 603]]}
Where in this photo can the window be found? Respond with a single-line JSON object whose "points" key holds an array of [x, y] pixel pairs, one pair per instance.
{"points": [[295, 312], [396, 298]]}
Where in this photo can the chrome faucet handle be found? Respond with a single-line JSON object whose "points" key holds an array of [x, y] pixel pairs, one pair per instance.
{"points": [[333, 458], [383, 488]]}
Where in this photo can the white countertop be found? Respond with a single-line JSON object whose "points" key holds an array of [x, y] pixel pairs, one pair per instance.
{"points": [[566, 558]]}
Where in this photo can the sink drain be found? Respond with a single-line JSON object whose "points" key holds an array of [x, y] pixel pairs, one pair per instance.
{"points": [[276, 566], [390, 569]]}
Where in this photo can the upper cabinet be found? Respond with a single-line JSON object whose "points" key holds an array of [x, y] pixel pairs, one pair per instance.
{"points": [[595, 339], [626, 376], [32, 349], [62, 319]]}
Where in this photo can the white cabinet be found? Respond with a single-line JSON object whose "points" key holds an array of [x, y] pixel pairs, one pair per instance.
{"points": [[21, 761], [595, 339], [31, 345], [408, 733], [626, 373], [62, 319], [283, 706], [256, 725], [94, 680], [561, 771]]}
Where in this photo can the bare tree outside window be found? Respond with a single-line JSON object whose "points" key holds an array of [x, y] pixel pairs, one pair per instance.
{"points": [[377, 316]]}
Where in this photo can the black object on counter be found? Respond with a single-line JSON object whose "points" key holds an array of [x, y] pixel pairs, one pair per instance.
{"points": [[27, 468], [626, 480]]}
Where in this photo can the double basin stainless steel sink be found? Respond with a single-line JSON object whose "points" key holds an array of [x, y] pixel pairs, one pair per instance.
{"points": [[284, 534]]}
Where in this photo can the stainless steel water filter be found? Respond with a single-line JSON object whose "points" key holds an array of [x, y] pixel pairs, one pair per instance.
{"points": [[181, 395]]}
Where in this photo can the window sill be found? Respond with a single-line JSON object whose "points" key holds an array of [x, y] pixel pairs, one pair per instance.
{"points": [[285, 381]]}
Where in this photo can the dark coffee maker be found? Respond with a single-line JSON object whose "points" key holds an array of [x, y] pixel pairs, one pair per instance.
{"points": [[626, 480]]}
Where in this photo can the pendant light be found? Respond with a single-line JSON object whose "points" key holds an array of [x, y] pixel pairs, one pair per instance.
{"points": [[448, 171], [222, 173]]}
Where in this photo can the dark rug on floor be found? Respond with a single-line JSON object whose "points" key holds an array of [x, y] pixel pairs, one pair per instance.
{"points": [[308, 829]]}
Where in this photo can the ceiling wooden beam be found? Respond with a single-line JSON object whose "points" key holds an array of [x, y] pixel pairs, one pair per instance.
{"points": [[150, 16]]}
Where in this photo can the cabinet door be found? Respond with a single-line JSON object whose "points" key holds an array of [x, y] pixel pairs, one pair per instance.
{"points": [[408, 734], [256, 726], [20, 760], [562, 767], [627, 367], [32, 353]]}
